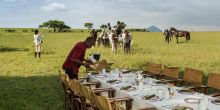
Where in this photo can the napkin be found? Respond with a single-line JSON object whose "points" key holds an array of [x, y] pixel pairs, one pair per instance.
{"points": [[148, 97], [216, 101], [125, 88], [112, 81]]}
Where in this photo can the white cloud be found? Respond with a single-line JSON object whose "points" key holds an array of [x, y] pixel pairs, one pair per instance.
{"points": [[182, 14], [55, 6]]}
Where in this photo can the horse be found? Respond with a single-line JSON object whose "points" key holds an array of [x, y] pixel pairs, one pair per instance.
{"points": [[120, 40], [103, 39], [114, 40], [167, 34], [178, 33]]}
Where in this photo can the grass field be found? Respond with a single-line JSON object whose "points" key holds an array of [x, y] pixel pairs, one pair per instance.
{"points": [[31, 84]]}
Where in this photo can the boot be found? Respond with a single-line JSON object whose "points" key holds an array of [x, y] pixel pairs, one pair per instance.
{"points": [[39, 54], [35, 54]]}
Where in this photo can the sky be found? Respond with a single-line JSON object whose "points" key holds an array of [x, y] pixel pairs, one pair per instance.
{"points": [[192, 15]]}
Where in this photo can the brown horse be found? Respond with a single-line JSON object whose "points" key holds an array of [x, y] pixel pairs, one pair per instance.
{"points": [[178, 33]]}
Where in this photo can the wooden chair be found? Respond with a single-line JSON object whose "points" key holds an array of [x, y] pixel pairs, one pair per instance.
{"points": [[85, 94], [213, 82], [74, 97], [105, 103], [102, 64], [63, 81], [170, 74], [153, 70], [193, 78], [71, 91]]}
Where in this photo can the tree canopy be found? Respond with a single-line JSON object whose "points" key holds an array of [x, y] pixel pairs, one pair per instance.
{"points": [[57, 25], [122, 25], [103, 26], [88, 25]]}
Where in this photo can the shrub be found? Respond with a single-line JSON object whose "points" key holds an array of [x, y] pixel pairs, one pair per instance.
{"points": [[25, 30], [10, 30]]}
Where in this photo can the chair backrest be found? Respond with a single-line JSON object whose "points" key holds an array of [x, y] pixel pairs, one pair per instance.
{"points": [[104, 103], [73, 87], [94, 98], [81, 89], [214, 80], [171, 72], [154, 68], [193, 76], [87, 93], [63, 77], [102, 64]]}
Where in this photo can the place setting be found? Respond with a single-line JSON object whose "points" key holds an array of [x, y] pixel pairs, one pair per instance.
{"points": [[214, 100], [186, 91]]}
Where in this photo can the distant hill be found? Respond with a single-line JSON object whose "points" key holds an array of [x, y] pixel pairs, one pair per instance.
{"points": [[153, 29]]}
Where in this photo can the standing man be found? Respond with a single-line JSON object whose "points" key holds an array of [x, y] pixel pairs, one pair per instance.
{"points": [[118, 28], [76, 57], [38, 43], [109, 28], [127, 37], [113, 39]]}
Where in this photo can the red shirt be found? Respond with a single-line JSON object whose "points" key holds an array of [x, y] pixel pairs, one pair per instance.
{"points": [[78, 53]]}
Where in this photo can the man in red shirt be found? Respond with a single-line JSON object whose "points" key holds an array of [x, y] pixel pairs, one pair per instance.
{"points": [[76, 57]]}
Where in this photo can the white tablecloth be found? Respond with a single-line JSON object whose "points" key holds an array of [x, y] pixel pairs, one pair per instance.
{"points": [[161, 103]]}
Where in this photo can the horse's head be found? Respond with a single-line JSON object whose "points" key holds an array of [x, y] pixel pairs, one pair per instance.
{"points": [[165, 32], [172, 29]]}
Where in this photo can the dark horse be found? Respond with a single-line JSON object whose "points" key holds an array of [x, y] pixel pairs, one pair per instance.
{"points": [[178, 33], [167, 34]]}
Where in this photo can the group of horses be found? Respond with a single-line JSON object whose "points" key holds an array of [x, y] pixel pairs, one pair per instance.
{"points": [[104, 39], [177, 33], [114, 39]]}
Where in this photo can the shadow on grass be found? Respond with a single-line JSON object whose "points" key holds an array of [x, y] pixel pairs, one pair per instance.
{"points": [[182, 42], [31, 93], [9, 49]]}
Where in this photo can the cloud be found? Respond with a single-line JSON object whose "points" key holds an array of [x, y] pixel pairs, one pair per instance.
{"points": [[55, 6], [182, 14]]}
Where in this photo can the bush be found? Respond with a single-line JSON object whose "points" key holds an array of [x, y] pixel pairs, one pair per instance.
{"points": [[10, 30], [99, 30], [25, 30], [137, 30], [65, 30]]}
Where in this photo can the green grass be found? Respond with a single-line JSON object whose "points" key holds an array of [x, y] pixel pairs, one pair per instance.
{"points": [[31, 84]]}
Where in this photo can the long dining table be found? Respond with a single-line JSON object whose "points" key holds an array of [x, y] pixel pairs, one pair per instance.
{"points": [[133, 85]]}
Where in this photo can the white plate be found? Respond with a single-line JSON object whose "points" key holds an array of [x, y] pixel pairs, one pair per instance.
{"points": [[192, 100]]}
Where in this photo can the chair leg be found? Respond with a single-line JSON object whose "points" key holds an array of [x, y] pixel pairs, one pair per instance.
{"points": [[65, 97], [77, 105], [128, 105], [83, 103]]}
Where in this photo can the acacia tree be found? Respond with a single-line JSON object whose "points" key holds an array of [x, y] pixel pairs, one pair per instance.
{"points": [[122, 25], [103, 26], [88, 25], [56, 25]]}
